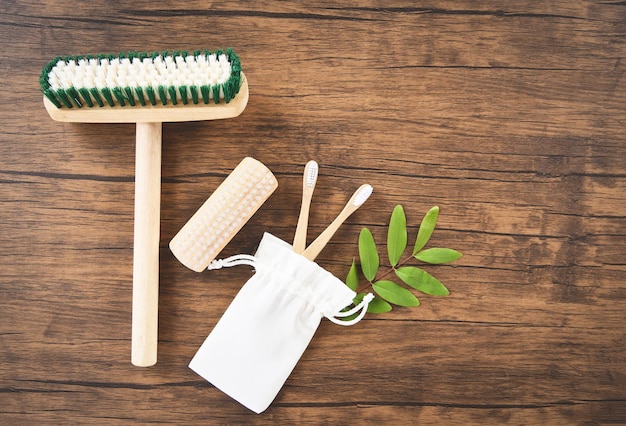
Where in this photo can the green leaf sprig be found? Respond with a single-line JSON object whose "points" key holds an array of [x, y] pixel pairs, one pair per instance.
{"points": [[387, 291]]}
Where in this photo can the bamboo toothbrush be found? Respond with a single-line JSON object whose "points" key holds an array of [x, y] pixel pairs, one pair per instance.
{"points": [[308, 185], [147, 89], [358, 198]]}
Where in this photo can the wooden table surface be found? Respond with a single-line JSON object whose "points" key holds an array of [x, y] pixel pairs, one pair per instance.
{"points": [[509, 116]]}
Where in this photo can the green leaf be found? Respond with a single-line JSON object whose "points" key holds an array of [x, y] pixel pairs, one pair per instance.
{"points": [[376, 306], [438, 255], [396, 235], [426, 229], [421, 280], [394, 293], [368, 254], [352, 280]]}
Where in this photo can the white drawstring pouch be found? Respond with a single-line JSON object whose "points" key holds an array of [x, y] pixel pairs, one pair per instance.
{"points": [[263, 333]]}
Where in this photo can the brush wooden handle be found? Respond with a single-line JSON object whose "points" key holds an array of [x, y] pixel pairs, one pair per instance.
{"points": [[146, 244]]}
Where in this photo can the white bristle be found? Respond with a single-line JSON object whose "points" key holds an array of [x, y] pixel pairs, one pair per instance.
{"points": [[363, 194], [311, 173]]}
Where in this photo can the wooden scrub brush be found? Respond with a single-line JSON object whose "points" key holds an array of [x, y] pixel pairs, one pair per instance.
{"points": [[147, 89]]}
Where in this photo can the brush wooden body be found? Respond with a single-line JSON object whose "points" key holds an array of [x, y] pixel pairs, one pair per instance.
{"points": [[152, 114]]}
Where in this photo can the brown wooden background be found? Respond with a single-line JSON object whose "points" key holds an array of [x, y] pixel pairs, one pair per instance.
{"points": [[508, 115]]}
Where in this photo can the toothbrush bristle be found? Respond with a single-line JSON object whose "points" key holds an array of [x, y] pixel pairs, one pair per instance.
{"points": [[362, 195], [311, 173]]}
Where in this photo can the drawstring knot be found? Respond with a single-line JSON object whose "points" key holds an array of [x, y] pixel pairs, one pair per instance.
{"points": [[229, 262]]}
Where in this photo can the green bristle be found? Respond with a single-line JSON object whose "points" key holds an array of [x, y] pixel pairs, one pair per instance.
{"points": [[108, 96], [43, 83], [172, 91], [183, 94], [216, 94], [95, 94], [130, 97], [43, 78], [151, 96], [64, 98], [51, 95], [235, 63], [119, 96], [194, 94], [205, 93], [162, 95], [74, 96], [84, 93], [229, 92], [139, 92], [224, 90]]}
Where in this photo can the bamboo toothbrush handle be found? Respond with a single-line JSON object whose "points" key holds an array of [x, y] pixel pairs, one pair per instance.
{"points": [[146, 244], [320, 242], [356, 201], [299, 240]]}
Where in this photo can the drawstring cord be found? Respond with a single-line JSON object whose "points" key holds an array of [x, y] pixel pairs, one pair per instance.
{"points": [[229, 262], [362, 307]]}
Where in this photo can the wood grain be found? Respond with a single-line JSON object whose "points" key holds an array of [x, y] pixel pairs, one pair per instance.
{"points": [[507, 115]]}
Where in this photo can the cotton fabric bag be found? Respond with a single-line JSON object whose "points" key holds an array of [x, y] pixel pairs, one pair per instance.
{"points": [[256, 344]]}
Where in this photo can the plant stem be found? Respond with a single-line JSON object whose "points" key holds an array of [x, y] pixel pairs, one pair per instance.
{"points": [[384, 274]]}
